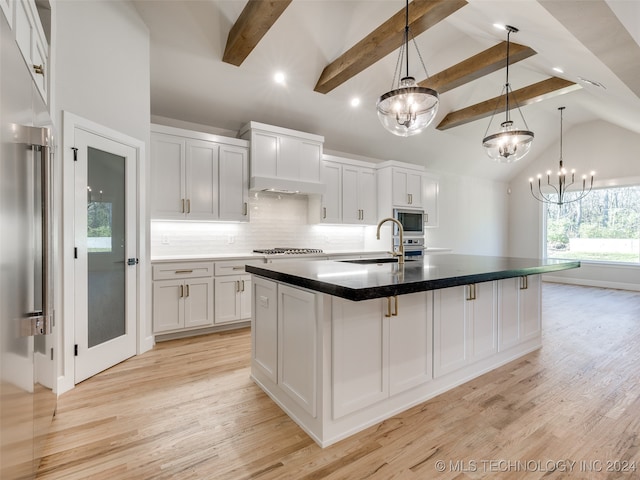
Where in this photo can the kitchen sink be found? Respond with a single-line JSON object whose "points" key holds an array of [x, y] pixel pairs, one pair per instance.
{"points": [[377, 260]]}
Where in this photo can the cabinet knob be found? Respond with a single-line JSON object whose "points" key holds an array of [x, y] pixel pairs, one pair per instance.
{"points": [[38, 69]]}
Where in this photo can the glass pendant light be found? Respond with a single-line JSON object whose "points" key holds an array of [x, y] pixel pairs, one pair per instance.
{"points": [[509, 144], [408, 109]]}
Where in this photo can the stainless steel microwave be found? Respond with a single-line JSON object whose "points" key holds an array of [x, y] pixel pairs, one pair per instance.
{"points": [[412, 222]]}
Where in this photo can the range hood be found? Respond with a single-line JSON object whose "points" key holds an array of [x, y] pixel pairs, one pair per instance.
{"points": [[285, 185], [284, 160]]}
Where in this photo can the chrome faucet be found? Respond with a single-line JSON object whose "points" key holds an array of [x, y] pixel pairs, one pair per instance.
{"points": [[400, 252]]}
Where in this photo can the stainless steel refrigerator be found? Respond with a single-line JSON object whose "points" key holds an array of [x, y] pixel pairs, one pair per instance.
{"points": [[26, 291]]}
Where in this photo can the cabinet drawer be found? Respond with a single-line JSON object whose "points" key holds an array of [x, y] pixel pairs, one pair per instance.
{"points": [[234, 267], [170, 271]]}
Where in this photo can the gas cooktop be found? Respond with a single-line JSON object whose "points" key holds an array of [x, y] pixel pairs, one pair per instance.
{"points": [[287, 251]]}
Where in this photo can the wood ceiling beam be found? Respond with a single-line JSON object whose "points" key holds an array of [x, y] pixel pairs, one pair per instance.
{"points": [[484, 63], [388, 37], [549, 88], [257, 17]]}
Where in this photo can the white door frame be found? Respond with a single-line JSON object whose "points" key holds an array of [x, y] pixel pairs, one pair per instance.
{"points": [[145, 340]]}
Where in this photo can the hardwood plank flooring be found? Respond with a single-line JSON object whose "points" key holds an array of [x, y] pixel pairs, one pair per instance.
{"points": [[188, 410]]}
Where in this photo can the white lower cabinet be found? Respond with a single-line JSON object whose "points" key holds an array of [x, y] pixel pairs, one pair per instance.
{"points": [[284, 335], [182, 296], [232, 298], [519, 316], [464, 326], [381, 347]]}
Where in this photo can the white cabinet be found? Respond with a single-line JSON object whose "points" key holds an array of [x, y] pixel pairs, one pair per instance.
{"points": [[350, 195], [331, 199], [284, 335], [232, 292], [406, 187], [359, 195], [519, 316], [430, 193], [8, 8], [381, 348], [464, 326], [197, 176], [182, 296], [32, 41], [282, 158]]}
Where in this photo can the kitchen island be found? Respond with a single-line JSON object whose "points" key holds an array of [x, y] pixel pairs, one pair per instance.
{"points": [[342, 345]]}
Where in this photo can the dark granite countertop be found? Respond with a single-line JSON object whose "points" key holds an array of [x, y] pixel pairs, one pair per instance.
{"points": [[363, 281]]}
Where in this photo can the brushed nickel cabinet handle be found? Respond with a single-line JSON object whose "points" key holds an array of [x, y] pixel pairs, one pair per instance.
{"points": [[187, 290], [238, 267], [388, 314], [188, 206], [471, 292], [524, 282], [324, 212], [395, 306], [237, 286], [182, 211], [245, 209], [178, 272], [242, 285], [181, 291]]}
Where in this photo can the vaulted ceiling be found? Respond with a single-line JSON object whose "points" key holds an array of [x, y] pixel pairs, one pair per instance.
{"points": [[213, 62]]}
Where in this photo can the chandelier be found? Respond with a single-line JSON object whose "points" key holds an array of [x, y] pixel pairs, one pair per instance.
{"points": [[557, 192], [509, 144], [408, 109]]}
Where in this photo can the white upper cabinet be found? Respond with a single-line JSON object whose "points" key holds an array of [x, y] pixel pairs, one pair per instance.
{"points": [[406, 187], [350, 195], [196, 176], [24, 19], [284, 159], [430, 193]]}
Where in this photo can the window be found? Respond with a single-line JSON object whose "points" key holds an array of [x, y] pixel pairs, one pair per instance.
{"points": [[603, 226], [99, 222]]}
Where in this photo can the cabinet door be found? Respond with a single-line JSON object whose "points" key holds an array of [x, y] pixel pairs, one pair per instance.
{"points": [[410, 352], [264, 328], [483, 340], [288, 162], [202, 180], [297, 340], [167, 177], [234, 183], [508, 313], [360, 355], [431, 190], [265, 149], [367, 197], [168, 305], [227, 299], [245, 297], [198, 302], [449, 330], [406, 188], [309, 156], [332, 198], [530, 301], [350, 206]]}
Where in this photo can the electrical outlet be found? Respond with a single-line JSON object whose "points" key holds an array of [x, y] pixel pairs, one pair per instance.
{"points": [[164, 239], [231, 239]]}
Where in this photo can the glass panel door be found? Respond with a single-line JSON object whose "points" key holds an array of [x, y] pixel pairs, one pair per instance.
{"points": [[105, 245]]}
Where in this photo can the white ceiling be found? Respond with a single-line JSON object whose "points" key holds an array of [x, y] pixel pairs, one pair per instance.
{"points": [[189, 82]]}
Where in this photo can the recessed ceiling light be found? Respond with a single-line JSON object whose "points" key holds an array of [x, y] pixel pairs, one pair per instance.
{"points": [[558, 69], [279, 78], [355, 102]]}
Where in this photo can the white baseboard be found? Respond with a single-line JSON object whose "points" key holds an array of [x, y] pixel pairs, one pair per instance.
{"points": [[592, 283]]}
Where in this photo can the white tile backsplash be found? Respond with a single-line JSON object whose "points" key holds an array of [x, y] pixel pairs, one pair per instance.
{"points": [[276, 220]]}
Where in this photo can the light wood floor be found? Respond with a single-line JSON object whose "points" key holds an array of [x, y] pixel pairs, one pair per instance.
{"points": [[188, 410]]}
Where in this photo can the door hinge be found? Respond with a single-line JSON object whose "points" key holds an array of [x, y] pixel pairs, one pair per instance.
{"points": [[75, 350], [75, 252], [75, 154]]}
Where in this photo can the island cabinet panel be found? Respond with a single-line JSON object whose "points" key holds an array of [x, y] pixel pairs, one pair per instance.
{"points": [[465, 326], [360, 356], [410, 342], [297, 360], [519, 316], [381, 348], [264, 327]]}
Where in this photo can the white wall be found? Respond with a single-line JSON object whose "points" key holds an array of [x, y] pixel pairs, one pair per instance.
{"points": [[101, 74], [472, 216], [609, 150]]}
